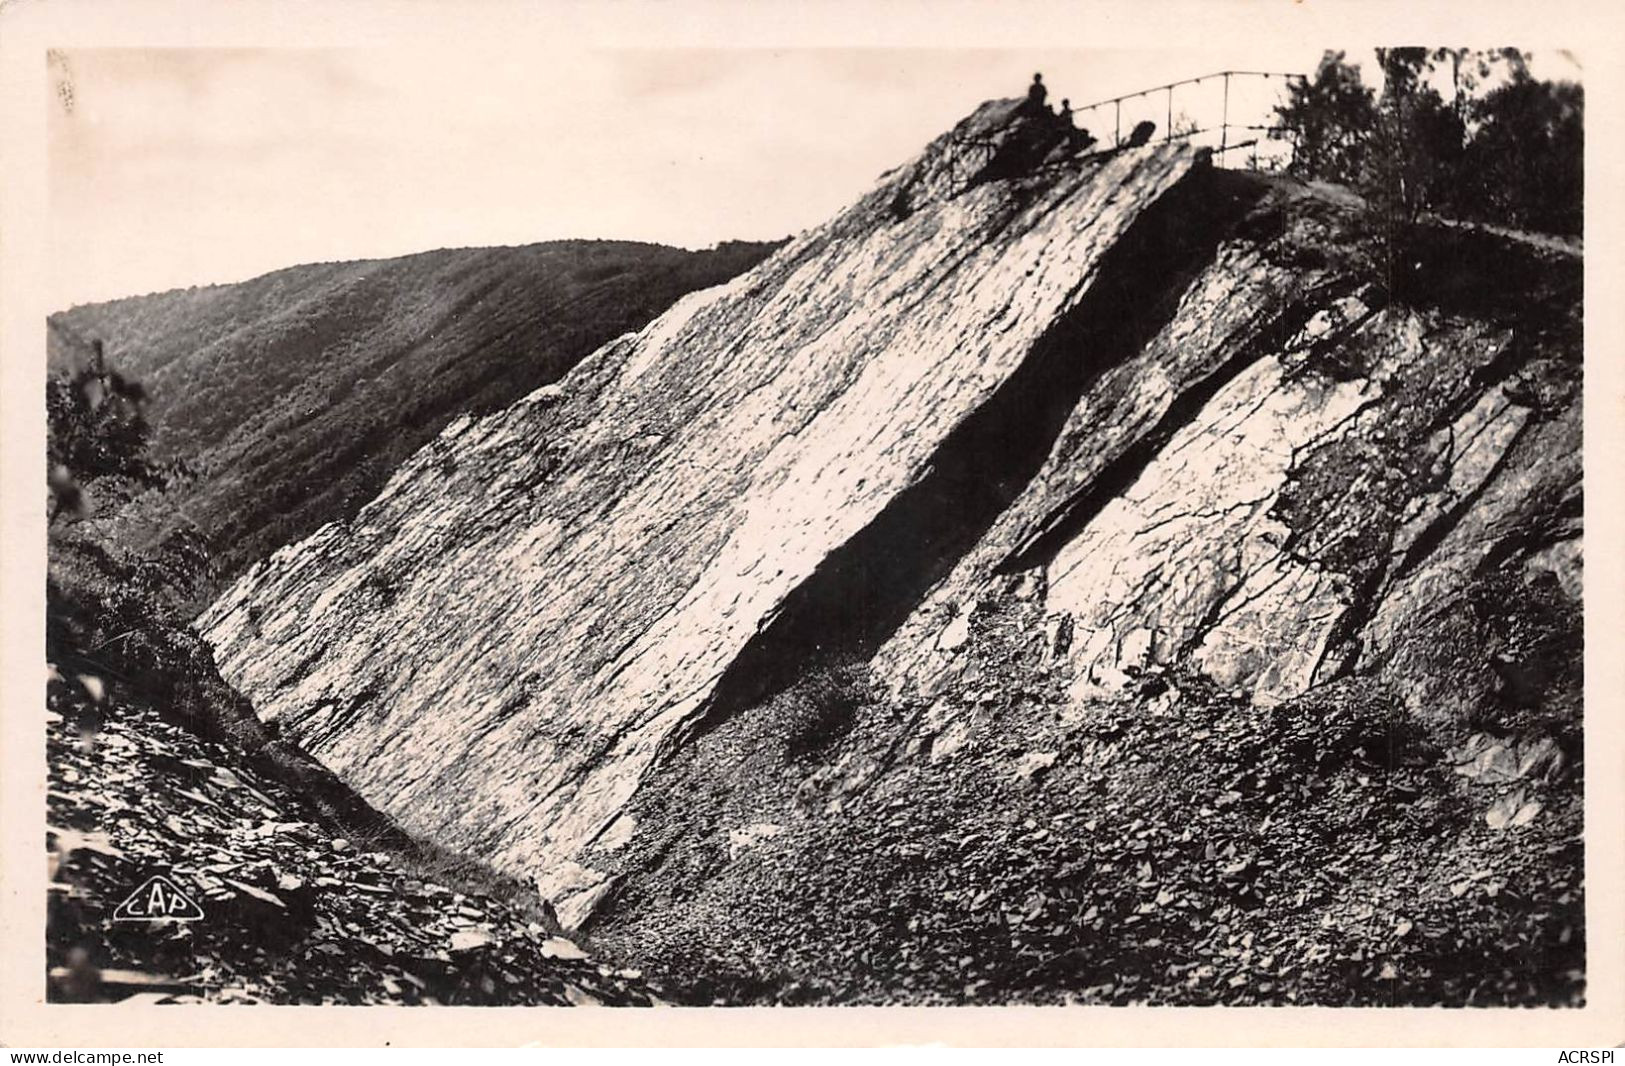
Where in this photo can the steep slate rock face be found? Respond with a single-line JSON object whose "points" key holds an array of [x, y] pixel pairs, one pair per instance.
{"points": [[498, 646], [1104, 420], [1196, 558], [1297, 479], [1261, 685]]}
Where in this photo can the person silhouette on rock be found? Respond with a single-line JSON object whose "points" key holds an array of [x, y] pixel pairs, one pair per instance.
{"points": [[1036, 95], [1076, 139]]}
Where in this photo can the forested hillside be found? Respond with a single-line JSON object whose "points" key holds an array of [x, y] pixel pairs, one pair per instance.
{"points": [[290, 398]]}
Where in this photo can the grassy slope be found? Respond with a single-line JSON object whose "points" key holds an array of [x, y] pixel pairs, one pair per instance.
{"points": [[295, 395]]}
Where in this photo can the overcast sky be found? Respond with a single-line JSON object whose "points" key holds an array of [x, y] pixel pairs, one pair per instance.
{"points": [[172, 167]]}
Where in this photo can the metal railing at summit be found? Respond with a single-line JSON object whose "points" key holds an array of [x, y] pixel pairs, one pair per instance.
{"points": [[1161, 99], [1199, 109]]}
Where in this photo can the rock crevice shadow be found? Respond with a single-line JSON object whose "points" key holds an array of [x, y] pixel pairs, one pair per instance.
{"points": [[866, 588]]}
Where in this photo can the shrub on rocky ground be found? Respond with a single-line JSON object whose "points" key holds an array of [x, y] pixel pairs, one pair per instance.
{"points": [[822, 706]]}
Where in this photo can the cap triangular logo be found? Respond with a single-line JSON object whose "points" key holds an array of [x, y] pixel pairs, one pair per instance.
{"points": [[158, 899]]}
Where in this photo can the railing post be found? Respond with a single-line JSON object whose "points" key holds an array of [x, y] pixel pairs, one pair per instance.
{"points": [[1117, 134], [1224, 121], [1170, 128]]}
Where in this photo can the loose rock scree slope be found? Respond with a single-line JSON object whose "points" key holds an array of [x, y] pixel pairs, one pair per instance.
{"points": [[1136, 437], [290, 913]]}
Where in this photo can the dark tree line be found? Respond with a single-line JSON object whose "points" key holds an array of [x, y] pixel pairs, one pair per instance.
{"points": [[1498, 146], [96, 430]]}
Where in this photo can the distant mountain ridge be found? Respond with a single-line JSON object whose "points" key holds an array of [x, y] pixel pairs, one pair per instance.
{"points": [[295, 394]]}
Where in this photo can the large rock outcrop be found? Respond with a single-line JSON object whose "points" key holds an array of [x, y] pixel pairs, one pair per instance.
{"points": [[498, 645], [1148, 399], [1294, 479]]}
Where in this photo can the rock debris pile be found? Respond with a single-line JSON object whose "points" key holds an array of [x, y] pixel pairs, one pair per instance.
{"points": [[290, 913]]}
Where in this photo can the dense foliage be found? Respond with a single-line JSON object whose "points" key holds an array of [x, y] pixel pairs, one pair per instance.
{"points": [[1504, 148], [296, 394], [96, 431]]}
